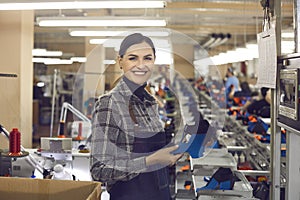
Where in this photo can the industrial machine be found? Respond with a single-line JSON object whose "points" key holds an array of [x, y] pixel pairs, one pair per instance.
{"points": [[80, 131], [8, 166], [289, 98], [289, 119], [71, 153]]}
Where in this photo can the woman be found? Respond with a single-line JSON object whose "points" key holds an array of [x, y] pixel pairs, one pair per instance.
{"points": [[128, 142]]}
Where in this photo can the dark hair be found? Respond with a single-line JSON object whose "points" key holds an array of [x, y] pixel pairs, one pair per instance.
{"points": [[254, 93], [245, 87], [230, 69], [264, 91], [135, 38]]}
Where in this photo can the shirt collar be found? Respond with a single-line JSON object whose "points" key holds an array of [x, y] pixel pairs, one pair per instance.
{"points": [[135, 88], [124, 89]]}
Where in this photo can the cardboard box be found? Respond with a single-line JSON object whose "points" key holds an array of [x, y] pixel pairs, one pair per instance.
{"points": [[45, 189]]}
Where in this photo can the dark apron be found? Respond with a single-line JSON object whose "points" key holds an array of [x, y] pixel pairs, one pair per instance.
{"points": [[146, 186]]}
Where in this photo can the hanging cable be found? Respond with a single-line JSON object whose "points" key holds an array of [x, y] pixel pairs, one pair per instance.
{"points": [[267, 11]]}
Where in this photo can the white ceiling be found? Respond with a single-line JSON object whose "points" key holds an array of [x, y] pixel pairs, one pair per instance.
{"points": [[242, 19]]}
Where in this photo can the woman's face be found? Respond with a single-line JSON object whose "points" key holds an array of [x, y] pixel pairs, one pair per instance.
{"points": [[138, 62]]}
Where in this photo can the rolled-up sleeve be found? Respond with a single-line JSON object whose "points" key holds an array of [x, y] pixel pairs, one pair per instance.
{"points": [[111, 159]]}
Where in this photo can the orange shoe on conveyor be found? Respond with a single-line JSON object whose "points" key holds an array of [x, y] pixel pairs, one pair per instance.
{"points": [[185, 168]]}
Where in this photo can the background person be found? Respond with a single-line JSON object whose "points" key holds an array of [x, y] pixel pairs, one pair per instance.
{"points": [[240, 97], [231, 83], [261, 107]]}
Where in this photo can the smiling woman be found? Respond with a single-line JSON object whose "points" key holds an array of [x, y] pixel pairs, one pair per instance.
{"points": [[137, 60], [129, 150]]}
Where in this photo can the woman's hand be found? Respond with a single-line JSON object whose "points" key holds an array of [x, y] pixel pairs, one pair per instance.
{"points": [[163, 156]]}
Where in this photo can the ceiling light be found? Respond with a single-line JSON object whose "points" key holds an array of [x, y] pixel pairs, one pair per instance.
{"points": [[97, 41], [78, 59], [45, 52], [287, 34], [82, 5], [231, 56], [109, 62], [109, 33], [287, 47], [58, 62], [252, 46], [204, 61], [97, 21], [95, 33], [115, 43], [244, 53], [163, 57], [52, 61]]}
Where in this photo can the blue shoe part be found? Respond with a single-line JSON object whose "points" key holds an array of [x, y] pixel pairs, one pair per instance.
{"points": [[184, 146], [212, 185], [197, 132], [225, 185], [222, 179], [206, 178], [196, 149], [193, 146]]}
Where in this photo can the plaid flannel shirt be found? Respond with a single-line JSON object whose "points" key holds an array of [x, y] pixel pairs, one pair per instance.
{"points": [[113, 132]]}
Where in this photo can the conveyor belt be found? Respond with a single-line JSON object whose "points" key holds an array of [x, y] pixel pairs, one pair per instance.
{"points": [[256, 152]]}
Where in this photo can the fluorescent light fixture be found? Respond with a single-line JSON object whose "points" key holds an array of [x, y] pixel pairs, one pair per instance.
{"points": [[287, 34], [253, 49], [78, 59], [52, 61], [97, 41], [109, 62], [204, 61], [99, 21], [290, 44], [44, 52], [94, 33], [107, 33], [58, 62], [287, 47], [163, 57], [39, 60], [115, 43], [252, 46], [82, 5], [231, 56], [243, 54]]}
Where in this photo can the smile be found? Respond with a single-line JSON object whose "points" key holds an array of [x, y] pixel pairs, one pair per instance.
{"points": [[139, 72]]}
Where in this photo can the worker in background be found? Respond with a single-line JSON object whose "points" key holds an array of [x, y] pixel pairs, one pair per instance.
{"points": [[240, 97], [261, 107], [129, 150], [231, 82]]}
